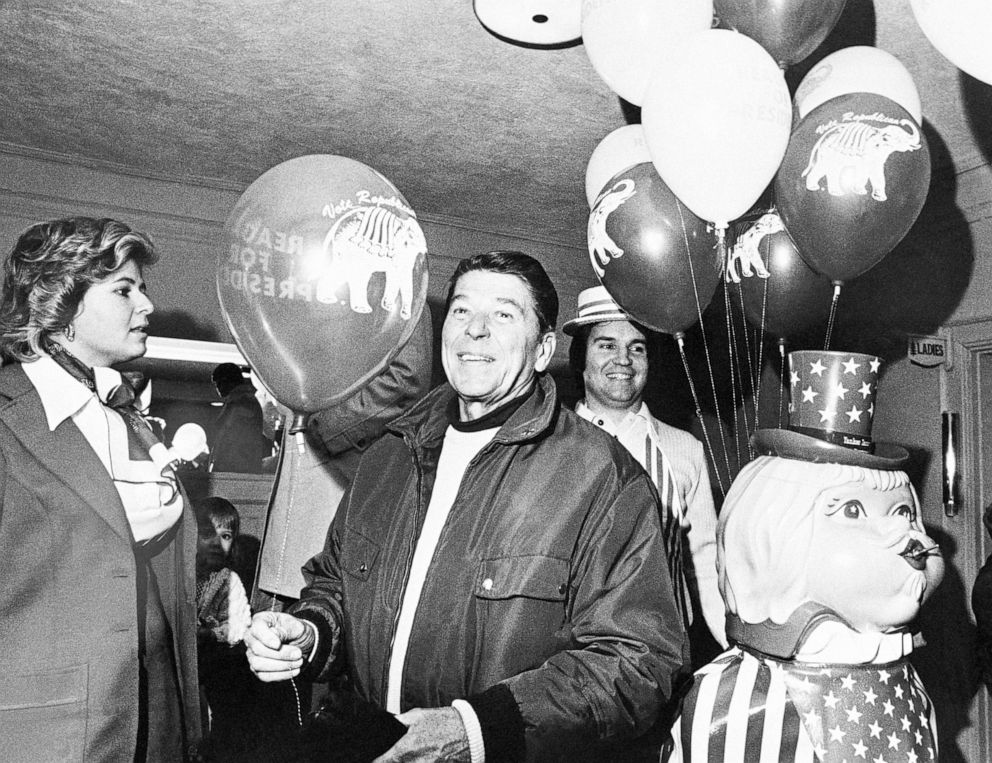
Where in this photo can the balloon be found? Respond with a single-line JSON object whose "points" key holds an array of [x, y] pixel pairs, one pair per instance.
{"points": [[624, 38], [959, 29], [621, 149], [716, 117], [792, 297], [788, 29], [653, 255], [322, 277], [852, 183], [858, 69]]}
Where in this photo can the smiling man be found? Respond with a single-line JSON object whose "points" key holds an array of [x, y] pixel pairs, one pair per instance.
{"points": [[497, 575], [609, 355]]}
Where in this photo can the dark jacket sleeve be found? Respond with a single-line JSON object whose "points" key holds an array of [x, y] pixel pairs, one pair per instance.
{"points": [[629, 643], [320, 604], [356, 422]]}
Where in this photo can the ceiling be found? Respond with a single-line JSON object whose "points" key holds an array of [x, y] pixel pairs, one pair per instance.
{"points": [[472, 129]]}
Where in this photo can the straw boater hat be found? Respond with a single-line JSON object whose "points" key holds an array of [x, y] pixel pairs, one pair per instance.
{"points": [[831, 410], [595, 306]]}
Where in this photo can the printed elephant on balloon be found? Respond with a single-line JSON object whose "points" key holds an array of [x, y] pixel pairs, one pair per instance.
{"points": [[853, 154], [371, 240], [602, 248]]}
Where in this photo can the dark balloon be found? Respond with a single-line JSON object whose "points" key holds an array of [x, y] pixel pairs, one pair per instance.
{"points": [[321, 278], [788, 29], [793, 298], [853, 182], [654, 256]]}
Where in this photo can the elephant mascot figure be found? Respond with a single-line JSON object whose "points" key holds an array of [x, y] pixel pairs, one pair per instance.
{"points": [[371, 240]]}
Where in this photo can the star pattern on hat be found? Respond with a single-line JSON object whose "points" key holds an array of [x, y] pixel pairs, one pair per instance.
{"points": [[863, 712], [837, 392]]}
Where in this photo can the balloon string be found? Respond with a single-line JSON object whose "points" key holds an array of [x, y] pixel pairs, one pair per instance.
{"points": [[746, 331], [699, 314], [747, 339], [781, 387], [759, 342], [297, 428], [680, 339], [721, 250], [833, 314], [734, 373]]}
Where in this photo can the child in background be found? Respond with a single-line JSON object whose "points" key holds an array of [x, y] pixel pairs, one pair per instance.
{"points": [[222, 607], [222, 614], [244, 720]]}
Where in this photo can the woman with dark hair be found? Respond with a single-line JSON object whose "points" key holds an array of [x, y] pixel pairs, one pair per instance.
{"points": [[97, 547]]}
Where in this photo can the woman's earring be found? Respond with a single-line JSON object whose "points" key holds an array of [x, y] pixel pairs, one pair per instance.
{"points": [[70, 332]]}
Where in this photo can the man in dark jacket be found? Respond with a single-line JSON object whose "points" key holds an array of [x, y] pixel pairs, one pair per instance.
{"points": [[238, 443], [497, 573]]}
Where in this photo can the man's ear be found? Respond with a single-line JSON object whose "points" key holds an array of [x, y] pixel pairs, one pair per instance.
{"points": [[545, 351]]}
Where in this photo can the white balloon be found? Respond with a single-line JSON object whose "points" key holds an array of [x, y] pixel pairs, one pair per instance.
{"points": [[189, 442], [717, 117], [959, 29], [858, 69], [623, 38], [618, 151]]}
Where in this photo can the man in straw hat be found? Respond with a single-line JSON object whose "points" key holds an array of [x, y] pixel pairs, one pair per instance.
{"points": [[609, 355]]}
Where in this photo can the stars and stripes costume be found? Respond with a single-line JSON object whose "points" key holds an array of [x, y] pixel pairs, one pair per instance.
{"points": [[747, 706]]}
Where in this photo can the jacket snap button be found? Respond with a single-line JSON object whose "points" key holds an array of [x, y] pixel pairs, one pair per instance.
{"points": [[364, 568], [487, 584], [562, 588]]}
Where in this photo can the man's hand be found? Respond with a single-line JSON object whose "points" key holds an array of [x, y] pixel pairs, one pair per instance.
{"points": [[275, 645], [432, 735]]}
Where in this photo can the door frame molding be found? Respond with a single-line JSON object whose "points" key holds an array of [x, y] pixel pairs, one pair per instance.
{"points": [[960, 392]]}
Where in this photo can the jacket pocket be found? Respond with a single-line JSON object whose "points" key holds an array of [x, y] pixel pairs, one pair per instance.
{"points": [[358, 554], [532, 577], [43, 715], [521, 615]]}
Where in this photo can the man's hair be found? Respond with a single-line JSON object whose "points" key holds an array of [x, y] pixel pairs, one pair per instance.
{"points": [[524, 267], [226, 377], [49, 270]]}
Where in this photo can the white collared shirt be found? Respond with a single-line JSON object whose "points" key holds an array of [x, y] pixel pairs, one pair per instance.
{"points": [[636, 434], [139, 483]]}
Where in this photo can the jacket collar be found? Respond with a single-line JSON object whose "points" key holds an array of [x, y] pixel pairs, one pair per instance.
{"points": [[425, 423], [21, 410]]}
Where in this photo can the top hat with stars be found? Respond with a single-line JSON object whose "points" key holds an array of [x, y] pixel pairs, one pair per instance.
{"points": [[831, 408]]}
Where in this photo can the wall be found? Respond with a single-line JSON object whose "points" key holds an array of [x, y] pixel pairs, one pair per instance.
{"points": [[186, 223]]}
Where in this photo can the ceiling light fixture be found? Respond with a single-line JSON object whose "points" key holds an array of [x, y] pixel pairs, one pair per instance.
{"points": [[532, 23]]}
